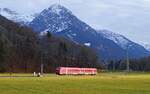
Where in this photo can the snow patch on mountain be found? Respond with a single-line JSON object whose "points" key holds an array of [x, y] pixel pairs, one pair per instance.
{"points": [[62, 27], [56, 9], [87, 44], [43, 33], [117, 38], [74, 34]]}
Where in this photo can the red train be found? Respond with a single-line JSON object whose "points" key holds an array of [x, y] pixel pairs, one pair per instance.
{"points": [[76, 71]]}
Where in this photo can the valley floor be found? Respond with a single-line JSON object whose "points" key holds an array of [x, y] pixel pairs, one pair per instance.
{"points": [[103, 83]]}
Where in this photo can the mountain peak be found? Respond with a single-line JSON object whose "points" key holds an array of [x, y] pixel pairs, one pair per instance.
{"points": [[56, 18], [58, 9], [57, 6]]}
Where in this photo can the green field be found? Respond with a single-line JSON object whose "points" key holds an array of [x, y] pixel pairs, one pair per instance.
{"points": [[103, 83]]}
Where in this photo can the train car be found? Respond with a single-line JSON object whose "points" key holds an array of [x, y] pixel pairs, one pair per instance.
{"points": [[76, 71]]}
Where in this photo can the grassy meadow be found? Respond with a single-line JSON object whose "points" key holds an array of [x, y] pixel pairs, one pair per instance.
{"points": [[103, 83]]}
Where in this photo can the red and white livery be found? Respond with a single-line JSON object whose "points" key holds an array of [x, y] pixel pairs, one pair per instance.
{"points": [[76, 71]]}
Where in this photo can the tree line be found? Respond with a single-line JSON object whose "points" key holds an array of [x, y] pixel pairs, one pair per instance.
{"points": [[142, 64]]}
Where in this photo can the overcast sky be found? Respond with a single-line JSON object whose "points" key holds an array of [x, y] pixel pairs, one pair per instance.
{"points": [[130, 18]]}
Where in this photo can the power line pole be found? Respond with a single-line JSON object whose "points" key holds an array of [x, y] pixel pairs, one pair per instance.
{"points": [[128, 62], [114, 65], [42, 63], [42, 67]]}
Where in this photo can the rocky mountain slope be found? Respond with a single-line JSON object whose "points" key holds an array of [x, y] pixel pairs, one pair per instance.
{"points": [[62, 22]]}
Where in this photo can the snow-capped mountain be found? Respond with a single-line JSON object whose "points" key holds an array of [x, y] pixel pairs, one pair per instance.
{"points": [[52, 18], [122, 41], [61, 22], [117, 38], [16, 17]]}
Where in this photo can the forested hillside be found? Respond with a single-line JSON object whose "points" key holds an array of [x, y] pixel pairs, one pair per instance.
{"points": [[22, 50]]}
